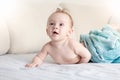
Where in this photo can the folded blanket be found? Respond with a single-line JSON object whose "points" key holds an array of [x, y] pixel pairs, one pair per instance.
{"points": [[103, 44]]}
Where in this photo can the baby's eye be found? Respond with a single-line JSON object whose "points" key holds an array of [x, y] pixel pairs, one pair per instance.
{"points": [[61, 24], [51, 24]]}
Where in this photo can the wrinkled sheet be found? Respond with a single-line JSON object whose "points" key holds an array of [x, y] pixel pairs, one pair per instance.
{"points": [[12, 68]]}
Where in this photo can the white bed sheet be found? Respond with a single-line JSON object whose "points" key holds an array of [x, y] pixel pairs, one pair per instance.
{"points": [[12, 68]]}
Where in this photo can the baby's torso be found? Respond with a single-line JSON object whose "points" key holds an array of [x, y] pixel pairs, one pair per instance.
{"points": [[63, 55]]}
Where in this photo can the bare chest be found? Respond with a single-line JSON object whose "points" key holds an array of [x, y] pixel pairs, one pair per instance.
{"points": [[62, 55], [63, 51]]}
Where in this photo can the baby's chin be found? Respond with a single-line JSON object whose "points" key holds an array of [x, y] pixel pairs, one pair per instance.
{"points": [[58, 37], [55, 38]]}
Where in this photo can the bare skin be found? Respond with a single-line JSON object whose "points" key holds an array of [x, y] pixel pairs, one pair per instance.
{"points": [[61, 48]]}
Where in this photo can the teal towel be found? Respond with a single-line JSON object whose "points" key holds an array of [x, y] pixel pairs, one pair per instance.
{"points": [[103, 44]]}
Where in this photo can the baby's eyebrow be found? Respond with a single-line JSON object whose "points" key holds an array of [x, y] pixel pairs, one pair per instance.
{"points": [[51, 20]]}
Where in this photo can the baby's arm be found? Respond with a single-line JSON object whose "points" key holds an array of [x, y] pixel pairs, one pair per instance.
{"points": [[38, 59], [83, 52], [85, 55]]}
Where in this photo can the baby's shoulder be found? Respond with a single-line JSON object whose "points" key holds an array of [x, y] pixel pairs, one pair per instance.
{"points": [[76, 46], [74, 43], [46, 45]]}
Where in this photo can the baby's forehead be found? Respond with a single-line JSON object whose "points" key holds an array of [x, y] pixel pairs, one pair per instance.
{"points": [[59, 15]]}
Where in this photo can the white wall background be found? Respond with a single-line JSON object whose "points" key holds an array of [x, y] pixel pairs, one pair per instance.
{"points": [[26, 19]]}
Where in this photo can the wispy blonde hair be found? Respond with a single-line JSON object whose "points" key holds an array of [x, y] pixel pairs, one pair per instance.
{"points": [[65, 11]]}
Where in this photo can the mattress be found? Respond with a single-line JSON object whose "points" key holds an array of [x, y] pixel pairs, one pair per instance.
{"points": [[12, 68]]}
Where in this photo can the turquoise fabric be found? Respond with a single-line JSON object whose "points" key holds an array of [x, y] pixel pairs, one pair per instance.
{"points": [[103, 44]]}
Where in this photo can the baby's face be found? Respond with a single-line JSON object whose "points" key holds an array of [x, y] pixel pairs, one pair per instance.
{"points": [[58, 26]]}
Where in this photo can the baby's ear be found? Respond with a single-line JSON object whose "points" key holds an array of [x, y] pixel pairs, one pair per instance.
{"points": [[70, 32], [47, 31]]}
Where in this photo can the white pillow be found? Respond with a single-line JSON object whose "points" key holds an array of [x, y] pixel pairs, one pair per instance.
{"points": [[4, 38], [27, 26]]}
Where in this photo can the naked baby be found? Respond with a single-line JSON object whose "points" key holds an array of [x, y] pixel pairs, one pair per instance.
{"points": [[62, 48]]}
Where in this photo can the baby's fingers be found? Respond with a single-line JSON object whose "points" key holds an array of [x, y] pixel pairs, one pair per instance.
{"points": [[30, 65]]}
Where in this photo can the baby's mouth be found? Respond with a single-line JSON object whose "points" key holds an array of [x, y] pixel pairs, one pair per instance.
{"points": [[55, 32]]}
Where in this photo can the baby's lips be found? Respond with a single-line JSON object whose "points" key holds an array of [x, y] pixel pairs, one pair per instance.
{"points": [[55, 32]]}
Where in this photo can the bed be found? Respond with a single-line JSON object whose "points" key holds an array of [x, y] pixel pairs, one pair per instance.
{"points": [[23, 33], [12, 68]]}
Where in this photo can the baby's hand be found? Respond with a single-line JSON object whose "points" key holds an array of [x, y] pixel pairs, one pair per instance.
{"points": [[35, 63], [32, 65]]}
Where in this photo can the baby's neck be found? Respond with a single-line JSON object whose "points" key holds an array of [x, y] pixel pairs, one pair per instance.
{"points": [[60, 43]]}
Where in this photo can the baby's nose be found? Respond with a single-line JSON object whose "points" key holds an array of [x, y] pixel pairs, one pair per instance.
{"points": [[55, 27]]}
